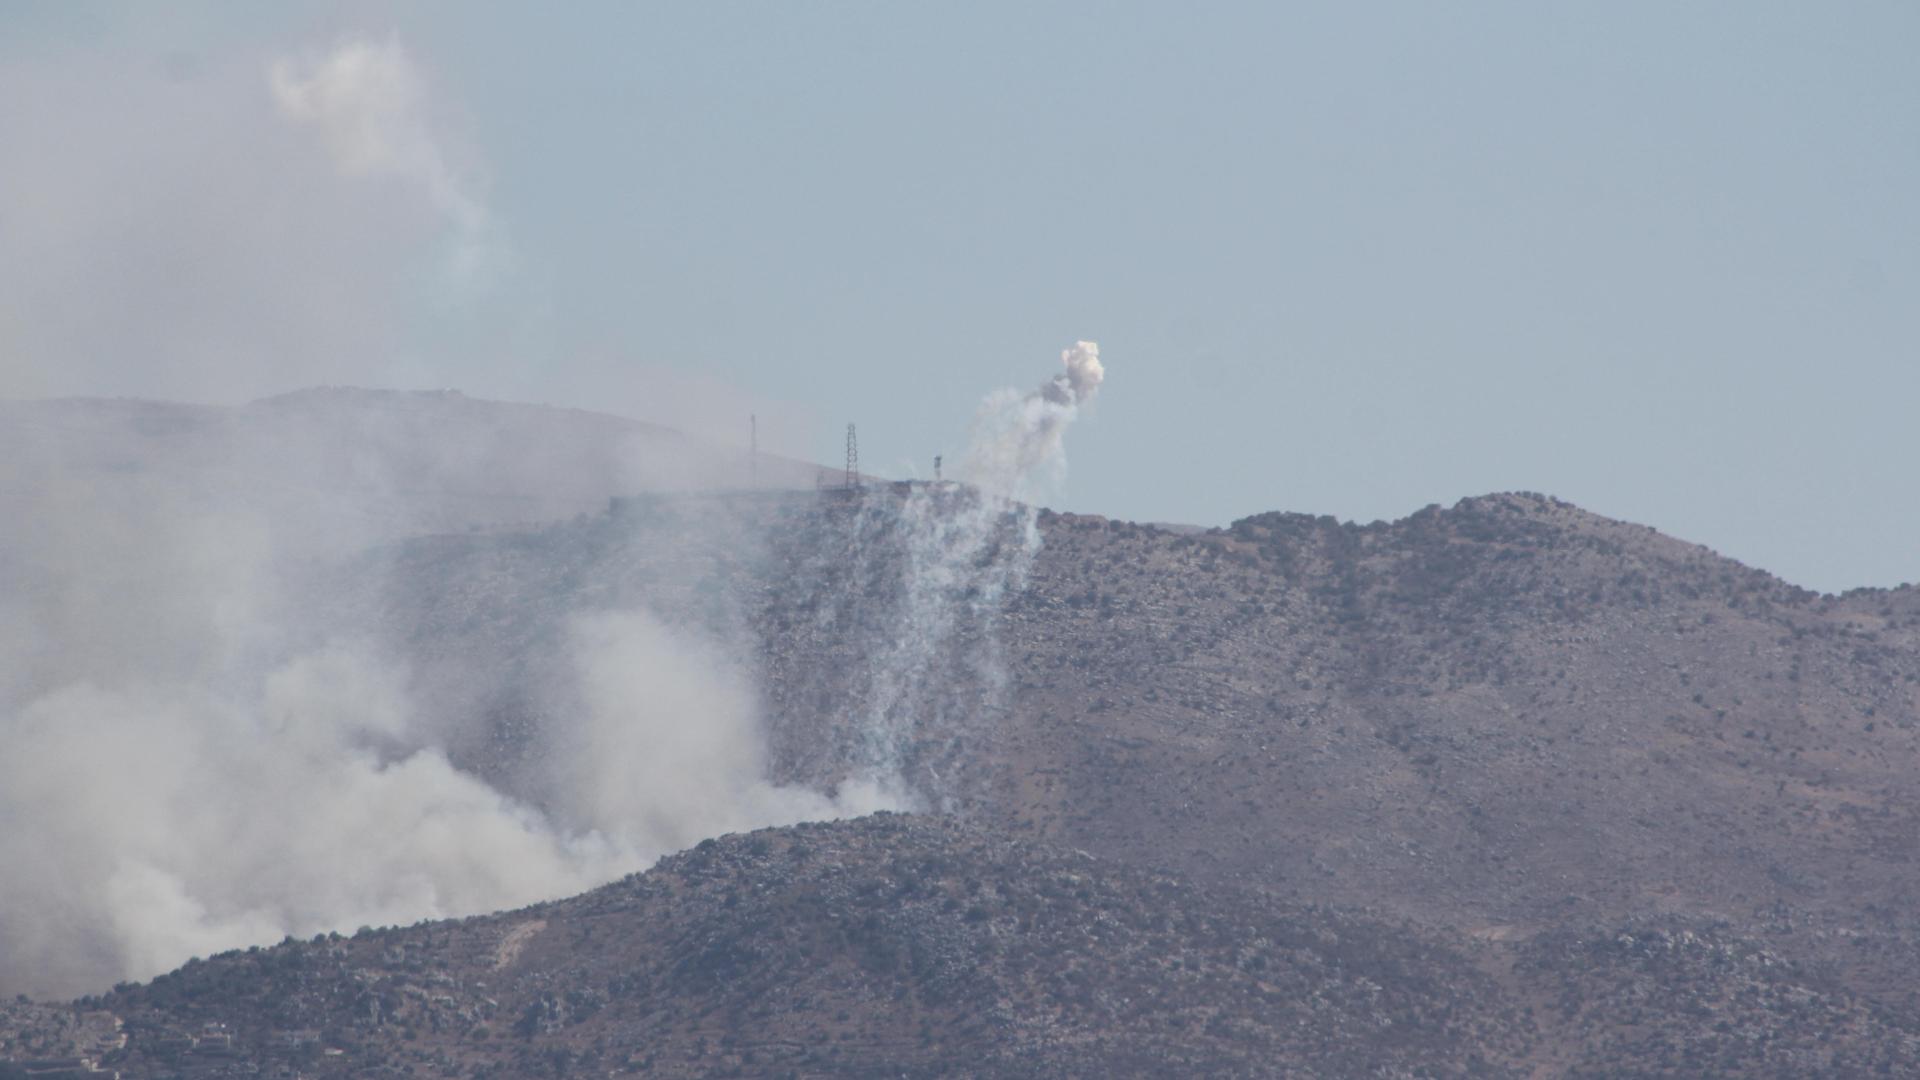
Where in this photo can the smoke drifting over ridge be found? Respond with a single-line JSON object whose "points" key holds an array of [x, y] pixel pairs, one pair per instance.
{"points": [[211, 742], [210, 739]]}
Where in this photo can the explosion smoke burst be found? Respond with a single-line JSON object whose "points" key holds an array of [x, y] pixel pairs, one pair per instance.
{"points": [[1017, 450]]}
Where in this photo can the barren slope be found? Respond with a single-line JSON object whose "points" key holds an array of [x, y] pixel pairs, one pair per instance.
{"points": [[1510, 713], [899, 946], [1646, 810]]}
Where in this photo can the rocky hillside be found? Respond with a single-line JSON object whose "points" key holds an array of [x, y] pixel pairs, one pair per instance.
{"points": [[1501, 717], [922, 947], [1614, 804], [1510, 712]]}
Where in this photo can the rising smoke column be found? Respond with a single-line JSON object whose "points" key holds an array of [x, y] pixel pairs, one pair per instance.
{"points": [[938, 680]]}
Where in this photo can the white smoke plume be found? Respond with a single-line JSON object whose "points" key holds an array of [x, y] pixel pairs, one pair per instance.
{"points": [[192, 758], [671, 751], [1017, 449], [966, 550], [1084, 372], [153, 821], [201, 752]]}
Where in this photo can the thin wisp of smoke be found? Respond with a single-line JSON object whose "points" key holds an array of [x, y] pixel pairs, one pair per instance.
{"points": [[367, 100]]}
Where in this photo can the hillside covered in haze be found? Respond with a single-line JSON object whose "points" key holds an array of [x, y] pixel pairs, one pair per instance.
{"points": [[1499, 788]]}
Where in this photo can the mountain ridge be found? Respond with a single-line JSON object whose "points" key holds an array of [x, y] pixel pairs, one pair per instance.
{"points": [[1426, 679], [1551, 760]]}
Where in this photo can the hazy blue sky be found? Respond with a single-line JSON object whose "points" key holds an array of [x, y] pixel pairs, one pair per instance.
{"points": [[1661, 260]]}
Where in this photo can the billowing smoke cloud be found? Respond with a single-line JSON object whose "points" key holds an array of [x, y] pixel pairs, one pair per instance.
{"points": [[368, 102], [208, 745], [192, 758], [1084, 373], [1017, 447], [671, 751], [193, 764], [154, 823], [198, 748]]}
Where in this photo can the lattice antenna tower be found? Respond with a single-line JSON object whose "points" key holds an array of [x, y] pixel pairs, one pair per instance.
{"points": [[753, 448], [853, 459]]}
